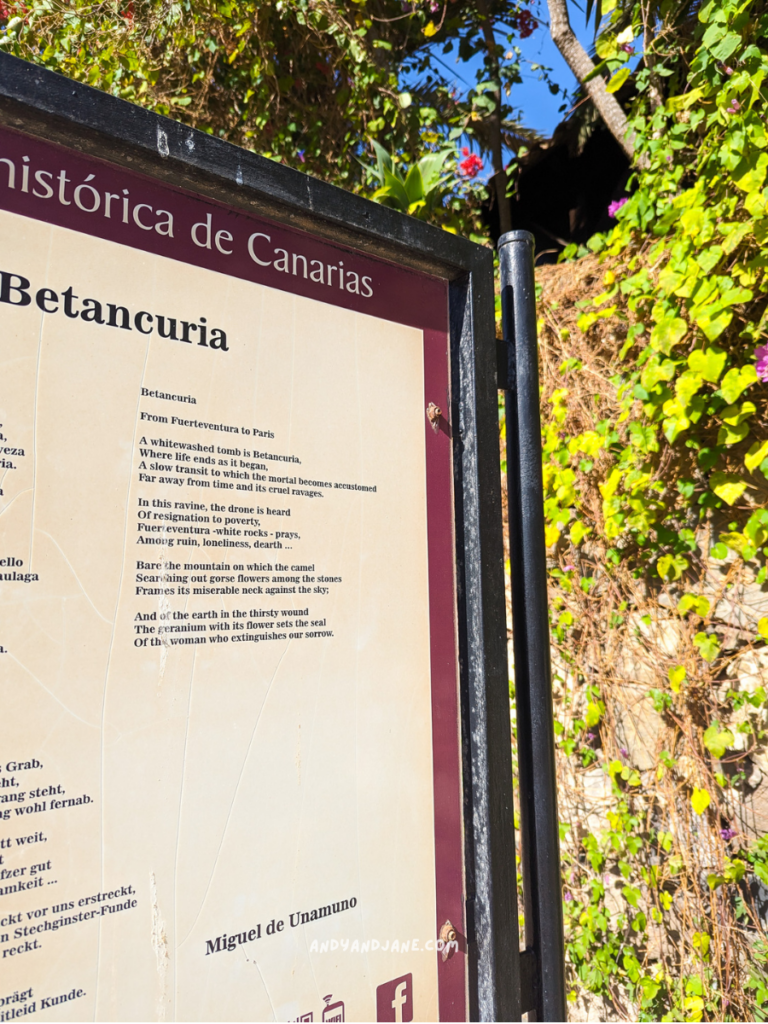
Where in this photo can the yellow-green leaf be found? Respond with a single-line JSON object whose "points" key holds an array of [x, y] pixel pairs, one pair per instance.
{"points": [[578, 532], [692, 602], [755, 204], [693, 220], [668, 332], [709, 362], [755, 177], [675, 103], [700, 800], [713, 320], [608, 488], [735, 427], [718, 740], [430, 29], [736, 381], [676, 678], [728, 486], [762, 627], [618, 80], [594, 713], [755, 455], [551, 535], [686, 386], [732, 435]]}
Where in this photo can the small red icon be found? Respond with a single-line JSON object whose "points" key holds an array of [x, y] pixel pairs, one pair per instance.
{"points": [[333, 1011], [394, 999], [306, 1017]]}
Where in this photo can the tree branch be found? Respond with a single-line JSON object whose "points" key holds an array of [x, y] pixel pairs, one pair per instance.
{"points": [[578, 61]]}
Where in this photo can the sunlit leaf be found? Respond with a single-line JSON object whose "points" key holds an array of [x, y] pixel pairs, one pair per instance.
{"points": [[700, 800]]}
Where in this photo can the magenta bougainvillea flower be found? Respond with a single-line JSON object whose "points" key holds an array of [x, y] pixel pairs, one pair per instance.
{"points": [[471, 165], [761, 362], [616, 205]]}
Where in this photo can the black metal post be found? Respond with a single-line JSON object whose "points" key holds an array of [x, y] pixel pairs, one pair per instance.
{"points": [[492, 922], [540, 841]]}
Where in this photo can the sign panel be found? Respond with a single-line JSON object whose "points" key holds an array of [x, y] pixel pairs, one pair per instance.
{"points": [[230, 753]]}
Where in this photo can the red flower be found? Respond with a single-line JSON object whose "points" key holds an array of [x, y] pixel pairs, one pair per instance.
{"points": [[525, 23], [471, 165]]}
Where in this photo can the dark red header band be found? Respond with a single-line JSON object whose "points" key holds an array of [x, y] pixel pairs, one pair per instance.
{"points": [[47, 182]]}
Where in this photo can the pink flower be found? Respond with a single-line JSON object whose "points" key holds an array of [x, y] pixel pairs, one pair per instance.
{"points": [[735, 107], [615, 206], [761, 362], [471, 165], [726, 834], [627, 48]]}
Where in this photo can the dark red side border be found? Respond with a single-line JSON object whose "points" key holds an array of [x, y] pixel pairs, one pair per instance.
{"points": [[449, 856], [399, 295]]}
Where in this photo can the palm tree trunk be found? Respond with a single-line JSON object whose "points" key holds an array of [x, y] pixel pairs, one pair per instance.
{"points": [[578, 61]]}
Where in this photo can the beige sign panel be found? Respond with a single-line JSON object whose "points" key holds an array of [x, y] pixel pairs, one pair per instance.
{"points": [[216, 786]]}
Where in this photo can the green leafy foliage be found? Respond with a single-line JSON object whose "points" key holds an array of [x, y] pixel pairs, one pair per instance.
{"points": [[686, 287], [655, 438]]}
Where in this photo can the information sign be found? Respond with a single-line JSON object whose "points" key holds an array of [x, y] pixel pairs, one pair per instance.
{"points": [[234, 594]]}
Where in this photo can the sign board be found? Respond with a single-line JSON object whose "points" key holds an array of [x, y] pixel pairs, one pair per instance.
{"points": [[239, 482]]}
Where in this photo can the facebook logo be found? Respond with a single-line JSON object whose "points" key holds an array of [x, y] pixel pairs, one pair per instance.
{"points": [[394, 1000]]}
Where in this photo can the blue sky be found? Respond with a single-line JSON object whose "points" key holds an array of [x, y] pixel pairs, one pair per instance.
{"points": [[538, 107]]}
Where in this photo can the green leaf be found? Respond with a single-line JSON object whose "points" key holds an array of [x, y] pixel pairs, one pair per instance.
{"points": [[728, 486], [693, 602], [631, 895], [708, 645], [718, 740], [396, 190], [700, 800], [618, 79], [709, 362], [672, 567], [727, 45], [414, 184]]}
